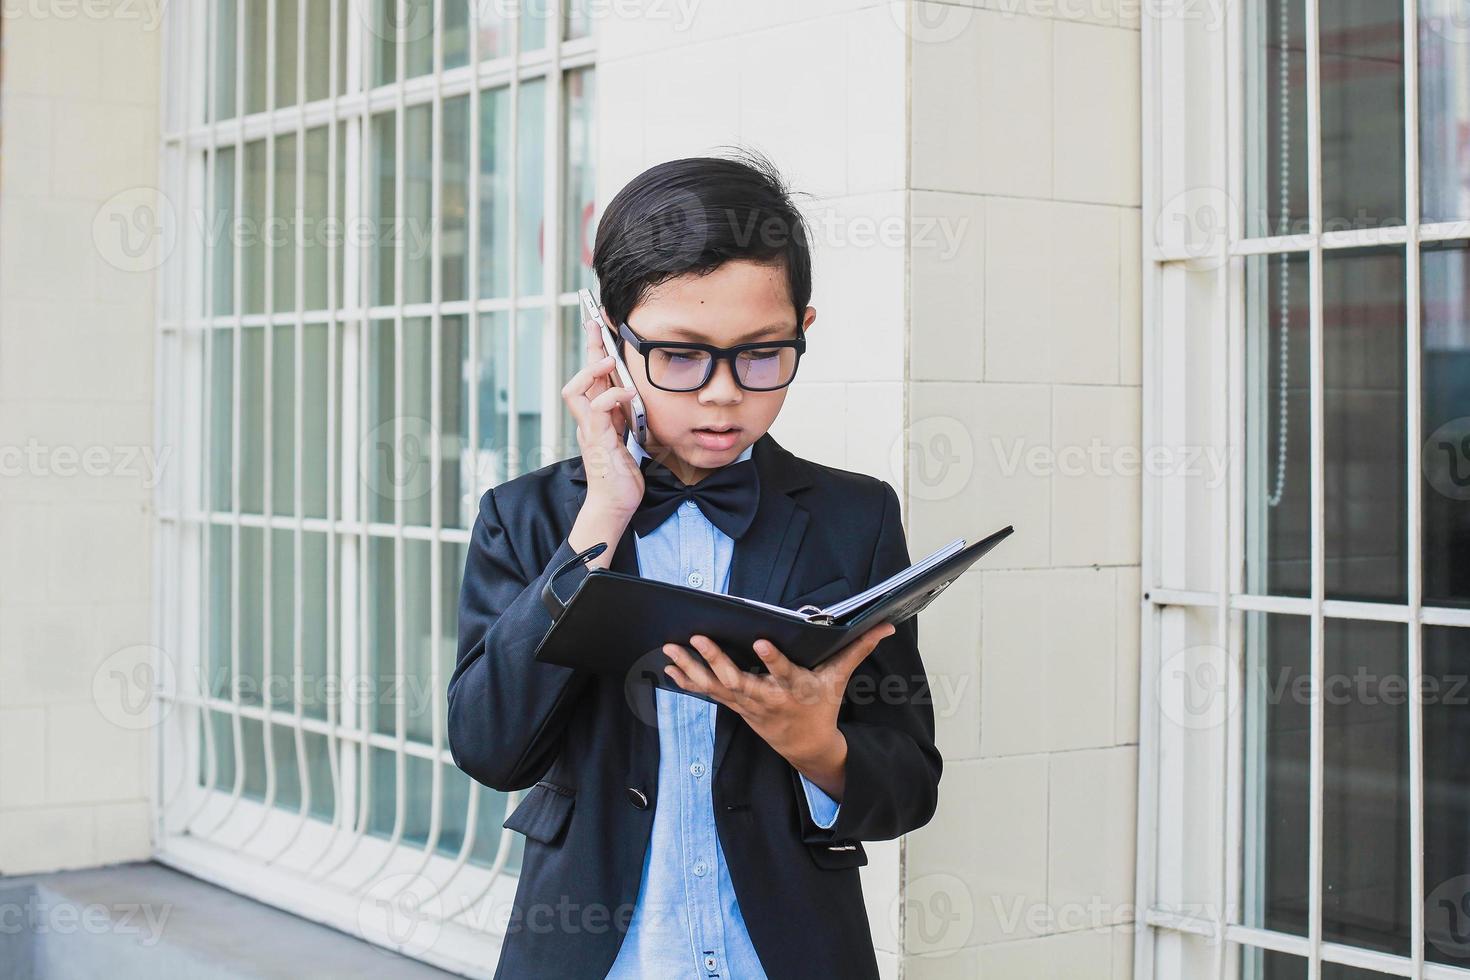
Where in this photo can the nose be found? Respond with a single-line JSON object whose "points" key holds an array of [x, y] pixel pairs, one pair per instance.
{"points": [[721, 389]]}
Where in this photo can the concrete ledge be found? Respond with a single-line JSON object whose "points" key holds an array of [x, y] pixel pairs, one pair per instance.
{"points": [[148, 921]]}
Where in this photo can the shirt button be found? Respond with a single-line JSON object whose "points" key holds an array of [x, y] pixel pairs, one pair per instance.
{"points": [[700, 868], [696, 579], [710, 964], [697, 769]]}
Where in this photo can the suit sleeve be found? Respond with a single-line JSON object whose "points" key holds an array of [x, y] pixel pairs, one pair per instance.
{"points": [[891, 784], [507, 713]]}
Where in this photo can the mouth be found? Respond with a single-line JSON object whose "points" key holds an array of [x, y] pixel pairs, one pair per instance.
{"points": [[717, 437]]}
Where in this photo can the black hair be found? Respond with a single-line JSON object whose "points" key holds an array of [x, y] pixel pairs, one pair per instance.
{"points": [[692, 216]]}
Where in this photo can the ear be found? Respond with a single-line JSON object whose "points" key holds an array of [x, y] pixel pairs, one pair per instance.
{"points": [[809, 319]]}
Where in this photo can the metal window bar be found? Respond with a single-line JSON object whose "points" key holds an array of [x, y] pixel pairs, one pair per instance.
{"points": [[1233, 599], [218, 815]]}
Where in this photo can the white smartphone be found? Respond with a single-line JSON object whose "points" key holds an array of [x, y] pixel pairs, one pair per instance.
{"points": [[639, 421]]}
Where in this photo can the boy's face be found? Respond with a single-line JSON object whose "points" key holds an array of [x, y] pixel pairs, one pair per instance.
{"points": [[741, 302]]}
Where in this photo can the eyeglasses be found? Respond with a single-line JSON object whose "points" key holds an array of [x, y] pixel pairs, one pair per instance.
{"points": [[767, 365]]}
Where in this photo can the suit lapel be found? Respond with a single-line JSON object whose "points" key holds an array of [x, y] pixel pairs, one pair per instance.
{"points": [[761, 565]]}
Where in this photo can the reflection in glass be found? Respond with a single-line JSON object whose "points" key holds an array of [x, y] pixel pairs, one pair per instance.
{"points": [[223, 21], [413, 456], [530, 184], [535, 15], [1364, 424], [1365, 786], [377, 447], [454, 207], [287, 55], [495, 193], [377, 706], [282, 229], [252, 230], [254, 54], [1278, 427], [1444, 110], [219, 233], [252, 420], [1276, 134], [1445, 422], [414, 228], [1362, 74], [457, 484], [221, 387], [381, 209], [578, 20], [1267, 964], [313, 239], [579, 186], [282, 402], [1446, 795], [1277, 760]]}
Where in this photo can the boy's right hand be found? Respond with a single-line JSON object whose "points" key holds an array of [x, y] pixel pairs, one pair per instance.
{"points": [[614, 482]]}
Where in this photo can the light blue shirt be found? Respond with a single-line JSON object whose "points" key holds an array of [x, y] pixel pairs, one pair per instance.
{"points": [[687, 922]]}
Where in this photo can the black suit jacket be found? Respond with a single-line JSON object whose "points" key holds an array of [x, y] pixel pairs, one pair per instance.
{"points": [[574, 739]]}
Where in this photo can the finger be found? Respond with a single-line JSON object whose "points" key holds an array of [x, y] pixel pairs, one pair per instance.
{"points": [[694, 668], [606, 401], [856, 652], [678, 677], [731, 676], [776, 662], [574, 392]]}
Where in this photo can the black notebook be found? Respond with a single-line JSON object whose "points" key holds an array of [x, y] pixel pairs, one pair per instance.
{"points": [[616, 623]]}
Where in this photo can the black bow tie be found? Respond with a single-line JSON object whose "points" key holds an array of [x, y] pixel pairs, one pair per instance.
{"points": [[727, 497]]}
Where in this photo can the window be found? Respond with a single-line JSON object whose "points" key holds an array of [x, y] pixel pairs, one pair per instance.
{"points": [[1305, 794], [385, 209]]}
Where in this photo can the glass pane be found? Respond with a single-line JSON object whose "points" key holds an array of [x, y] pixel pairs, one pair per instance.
{"points": [[220, 234], [314, 231], [414, 229], [493, 389], [1267, 964], [282, 229], [535, 15], [280, 681], [492, 22], [378, 709], [317, 684], [224, 64], [251, 599], [1446, 795], [252, 230], [381, 209], [457, 500], [530, 180], [531, 327], [1362, 72], [283, 420], [1365, 796], [420, 646], [382, 38], [1278, 735], [221, 612], [579, 186], [418, 36], [252, 420], [1276, 99], [495, 193], [1444, 112], [457, 33], [1364, 421], [579, 19], [382, 810], [1445, 422], [287, 51], [319, 49], [255, 54], [378, 445], [1278, 427], [413, 459], [319, 415], [221, 382], [337, 238], [573, 354], [454, 208]]}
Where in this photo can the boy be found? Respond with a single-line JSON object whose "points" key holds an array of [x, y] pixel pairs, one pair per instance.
{"points": [[693, 838]]}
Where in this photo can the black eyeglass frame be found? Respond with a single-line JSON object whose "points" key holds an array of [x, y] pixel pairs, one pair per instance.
{"points": [[718, 353]]}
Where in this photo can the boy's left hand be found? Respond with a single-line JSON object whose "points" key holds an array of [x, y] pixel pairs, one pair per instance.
{"points": [[792, 708]]}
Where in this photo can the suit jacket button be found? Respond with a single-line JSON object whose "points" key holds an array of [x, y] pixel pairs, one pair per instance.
{"points": [[637, 798]]}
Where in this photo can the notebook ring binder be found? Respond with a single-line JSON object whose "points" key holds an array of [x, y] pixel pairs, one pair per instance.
{"points": [[549, 598]]}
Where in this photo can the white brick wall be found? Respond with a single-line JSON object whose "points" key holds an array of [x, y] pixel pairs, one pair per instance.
{"points": [[1026, 344], [76, 356]]}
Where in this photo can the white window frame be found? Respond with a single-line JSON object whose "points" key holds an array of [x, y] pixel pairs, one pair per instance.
{"points": [[444, 910], [1191, 784]]}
